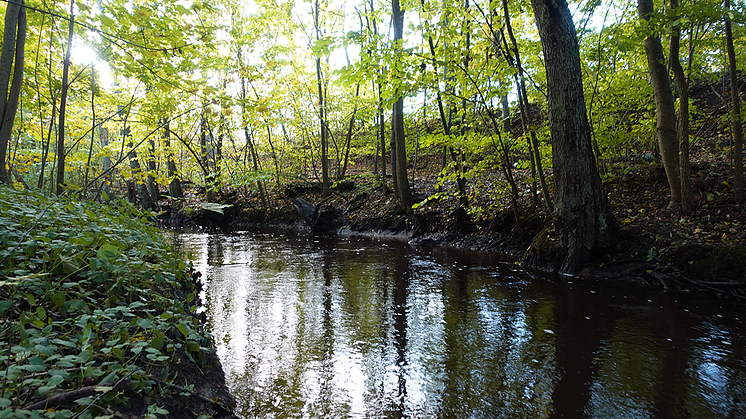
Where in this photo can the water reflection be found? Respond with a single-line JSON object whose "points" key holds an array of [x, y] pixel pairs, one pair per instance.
{"points": [[336, 329]]}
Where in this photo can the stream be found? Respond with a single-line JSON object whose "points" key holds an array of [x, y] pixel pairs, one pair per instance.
{"points": [[349, 328]]}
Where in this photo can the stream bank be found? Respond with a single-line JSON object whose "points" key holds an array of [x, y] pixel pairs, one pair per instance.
{"points": [[98, 317], [657, 246]]}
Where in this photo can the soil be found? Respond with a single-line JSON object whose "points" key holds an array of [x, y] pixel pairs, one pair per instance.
{"points": [[658, 246], [193, 385], [197, 387]]}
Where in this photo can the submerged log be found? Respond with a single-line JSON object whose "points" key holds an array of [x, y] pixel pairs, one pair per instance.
{"points": [[320, 221], [305, 209]]}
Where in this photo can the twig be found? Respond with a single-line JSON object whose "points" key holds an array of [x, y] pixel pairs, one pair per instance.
{"points": [[71, 395], [712, 286], [126, 377]]}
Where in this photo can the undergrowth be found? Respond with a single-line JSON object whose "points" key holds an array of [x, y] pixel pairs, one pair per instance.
{"points": [[88, 320]]}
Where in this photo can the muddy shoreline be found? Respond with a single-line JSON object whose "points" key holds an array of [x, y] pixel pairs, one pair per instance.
{"points": [[713, 268]]}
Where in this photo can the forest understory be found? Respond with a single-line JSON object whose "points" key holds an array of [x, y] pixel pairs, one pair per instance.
{"points": [[657, 245]]}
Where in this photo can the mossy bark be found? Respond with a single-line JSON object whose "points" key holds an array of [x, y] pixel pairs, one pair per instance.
{"points": [[583, 218]]}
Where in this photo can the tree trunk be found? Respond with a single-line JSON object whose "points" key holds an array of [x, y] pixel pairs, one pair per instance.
{"points": [[382, 133], [45, 146], [446, 121], [152, 186], [348, 140], [14, 40], [103, 134], [93, 129], [393, 151], [462, 216], [342, 171], [524, 108], [735, 112], [505, 114], [63, 105], [250, 137], [207, 167], [143, 195], [665, 110], [583, 217], [322, 108], [379, 123], [397, 117], [174, 185], [682, 85]]}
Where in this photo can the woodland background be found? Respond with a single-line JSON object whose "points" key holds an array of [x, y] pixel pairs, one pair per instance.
{"points": [[248, 102]]}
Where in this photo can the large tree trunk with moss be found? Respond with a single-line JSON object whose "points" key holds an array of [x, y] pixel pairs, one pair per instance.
{"points": [[583, 217], [397, 117], [14, 40], [665, 110], [735, 112]]}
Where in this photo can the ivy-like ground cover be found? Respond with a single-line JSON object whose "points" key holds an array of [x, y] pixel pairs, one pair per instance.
{"points": [[97, 316]]}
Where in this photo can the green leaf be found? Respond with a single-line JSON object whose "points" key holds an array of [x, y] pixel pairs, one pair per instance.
{"points": [[145, 323], [183, 329], [58, 299], [106, 21], [67, 343], [157, 342], [107, 250], [52, 383], [117, 352], [321, 48], [109, 377], [192, 346], [4, 306]]}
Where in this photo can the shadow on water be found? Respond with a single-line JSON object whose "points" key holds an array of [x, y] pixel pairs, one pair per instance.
{"points": [[311, 328]]}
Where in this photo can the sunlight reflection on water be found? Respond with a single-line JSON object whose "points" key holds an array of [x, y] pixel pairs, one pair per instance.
{"points": [[344, 328]]}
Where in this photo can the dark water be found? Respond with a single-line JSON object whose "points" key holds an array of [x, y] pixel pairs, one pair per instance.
{"points": [[345, 328]]}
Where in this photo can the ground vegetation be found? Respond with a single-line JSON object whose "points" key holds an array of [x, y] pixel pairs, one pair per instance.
{"points": [[98, 316]]}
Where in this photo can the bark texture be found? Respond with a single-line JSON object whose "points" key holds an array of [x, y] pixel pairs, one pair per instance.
{"points": [[735, 112], [665, 110], [397, 118], [14, 40], [583, 217], [682, 85]]}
